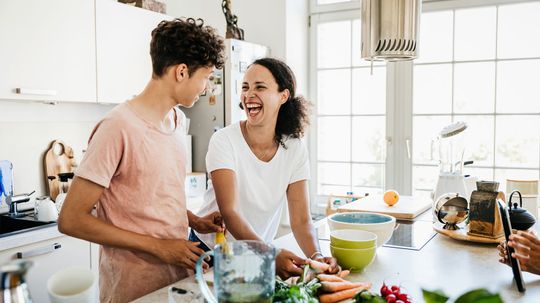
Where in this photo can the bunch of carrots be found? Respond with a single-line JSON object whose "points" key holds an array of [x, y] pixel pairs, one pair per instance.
{"points": [[331, 288]]}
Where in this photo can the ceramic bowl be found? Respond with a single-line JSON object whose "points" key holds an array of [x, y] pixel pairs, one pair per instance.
{"points": [[379, 224], [354, 260], [353, 238]]}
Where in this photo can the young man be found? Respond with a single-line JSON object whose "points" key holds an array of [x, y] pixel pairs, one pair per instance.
{"points": [[134, 171]]}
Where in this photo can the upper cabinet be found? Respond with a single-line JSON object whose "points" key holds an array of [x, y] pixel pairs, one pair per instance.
{"points": [[123, 39], [47, 50]]}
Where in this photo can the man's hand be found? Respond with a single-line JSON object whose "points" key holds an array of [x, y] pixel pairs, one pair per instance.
{"points": [[334, 268], [211, 223], [179, 252], [289, 264], [526, 250]]}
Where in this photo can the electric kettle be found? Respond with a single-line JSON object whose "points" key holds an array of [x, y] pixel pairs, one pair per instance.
{"points": [[46, 209], [13, 283]]}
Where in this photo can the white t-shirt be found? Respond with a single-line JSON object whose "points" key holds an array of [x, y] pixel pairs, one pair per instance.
{"points": [[262, 186]]}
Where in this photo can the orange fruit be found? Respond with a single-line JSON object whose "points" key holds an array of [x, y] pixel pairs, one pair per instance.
{"points": [[391, 197]]}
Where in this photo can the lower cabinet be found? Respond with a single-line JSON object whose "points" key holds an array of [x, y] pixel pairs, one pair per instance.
{"points": [[49, 257]]}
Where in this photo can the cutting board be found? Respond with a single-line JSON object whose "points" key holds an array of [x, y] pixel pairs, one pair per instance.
{"points": [[59, 158], [408, 207]]}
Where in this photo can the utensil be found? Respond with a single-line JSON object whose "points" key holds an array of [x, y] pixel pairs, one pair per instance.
{"points": [[520, 218], [379, 224], [72, 285], [246, 273], [13, 282], [46, 209], [353, 238], [356, 260], [451, 209]]}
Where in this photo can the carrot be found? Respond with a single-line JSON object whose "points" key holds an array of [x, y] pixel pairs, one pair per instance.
{"points": [[340, 295], [318, 266], [337, 286], [330, 278], [344, 273]]}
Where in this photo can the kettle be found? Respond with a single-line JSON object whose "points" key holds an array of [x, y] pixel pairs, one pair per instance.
{"points": [[13, 283], [520, 218], [45, 209]]}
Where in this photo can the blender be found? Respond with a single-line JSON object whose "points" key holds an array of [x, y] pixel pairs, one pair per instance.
{"points": [[451, 151]]}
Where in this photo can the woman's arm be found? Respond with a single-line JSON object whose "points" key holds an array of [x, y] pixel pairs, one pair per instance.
{"points": [[226, 189]]}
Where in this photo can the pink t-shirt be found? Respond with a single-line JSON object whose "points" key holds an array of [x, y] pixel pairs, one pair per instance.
{"points": [[143, 170]]}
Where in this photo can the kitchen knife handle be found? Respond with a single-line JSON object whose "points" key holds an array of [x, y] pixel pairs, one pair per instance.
{"points": [[39, 251]]}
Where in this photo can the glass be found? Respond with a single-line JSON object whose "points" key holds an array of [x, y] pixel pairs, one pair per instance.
{"points": [[334, 92], [475, 33], [245, 272], [519, 28], [432, 89], [368, 175], [479, 139], [333, 178], [517, 86], [334, 44], [369, 91], [436, 34], [368, 143], [474, 87], [425, 131], [517, 141], [334, 138]]}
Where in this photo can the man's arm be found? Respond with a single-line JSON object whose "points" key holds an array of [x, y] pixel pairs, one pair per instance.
{"points": [[76, 220]]}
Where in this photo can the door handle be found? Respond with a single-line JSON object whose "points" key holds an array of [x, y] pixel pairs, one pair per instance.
{"points": [[39, 251], [408, 143]]}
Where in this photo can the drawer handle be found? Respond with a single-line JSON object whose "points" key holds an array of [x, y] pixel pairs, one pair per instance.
{"points": [[33, 91], [39, 251]]}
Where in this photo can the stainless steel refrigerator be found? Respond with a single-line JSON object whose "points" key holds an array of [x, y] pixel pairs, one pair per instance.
{"points": [[221, 107]]}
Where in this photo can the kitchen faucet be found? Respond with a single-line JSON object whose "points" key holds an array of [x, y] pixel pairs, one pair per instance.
{"points": [[13, 200]]}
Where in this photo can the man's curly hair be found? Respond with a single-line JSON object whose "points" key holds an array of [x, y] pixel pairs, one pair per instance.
{"points": [[186, 41]]}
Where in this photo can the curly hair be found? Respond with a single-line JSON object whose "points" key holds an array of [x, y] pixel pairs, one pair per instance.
{"points": [[293, 115], [186, 41]]}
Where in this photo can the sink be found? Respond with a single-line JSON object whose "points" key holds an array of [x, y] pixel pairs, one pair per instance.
{"points": [[10, 226]]}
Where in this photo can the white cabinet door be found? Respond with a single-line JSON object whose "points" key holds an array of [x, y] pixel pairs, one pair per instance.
{"points": [[47, 50], [49, 257], [123, 35]]}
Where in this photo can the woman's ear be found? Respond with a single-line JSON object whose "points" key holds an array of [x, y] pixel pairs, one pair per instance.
{"points": [[285, 94]]}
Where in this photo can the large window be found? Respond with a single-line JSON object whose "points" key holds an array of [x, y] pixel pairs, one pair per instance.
{"points": [[375, 129]]}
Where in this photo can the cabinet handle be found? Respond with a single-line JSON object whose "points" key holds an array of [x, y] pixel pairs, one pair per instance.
{"points": [[32, 91], [39, 251]]}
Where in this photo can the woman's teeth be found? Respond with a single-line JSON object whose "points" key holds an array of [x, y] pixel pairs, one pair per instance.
{"points": [[253, 109]]}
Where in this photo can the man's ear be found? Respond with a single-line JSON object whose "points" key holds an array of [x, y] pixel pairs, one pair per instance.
{"points": [[181, 72]]}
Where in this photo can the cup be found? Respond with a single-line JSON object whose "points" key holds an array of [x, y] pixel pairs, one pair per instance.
{"points": [[244, 272], [72, 285]]}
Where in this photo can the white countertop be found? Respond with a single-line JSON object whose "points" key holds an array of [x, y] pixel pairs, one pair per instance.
{"points": [[29, 237], [443, 263]]}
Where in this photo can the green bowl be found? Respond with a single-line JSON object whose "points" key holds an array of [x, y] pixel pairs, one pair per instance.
{"points": [[354, 260], [353, 238]]}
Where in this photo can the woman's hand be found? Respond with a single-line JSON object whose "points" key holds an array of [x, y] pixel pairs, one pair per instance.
{"points": [[211, 223], [179, 252], [288, 264], [333, 269], [526, 250]]}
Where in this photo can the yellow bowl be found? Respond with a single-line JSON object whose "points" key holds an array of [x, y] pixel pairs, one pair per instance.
{"points": [[353, 259], [353, 238]]}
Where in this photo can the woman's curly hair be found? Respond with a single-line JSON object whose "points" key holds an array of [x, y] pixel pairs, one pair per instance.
{"points": [[186, 41], [293, 115]]}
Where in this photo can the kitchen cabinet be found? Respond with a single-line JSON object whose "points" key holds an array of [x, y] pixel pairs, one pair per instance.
{"points": [[48, 50], [49, 256], [123, 35]]}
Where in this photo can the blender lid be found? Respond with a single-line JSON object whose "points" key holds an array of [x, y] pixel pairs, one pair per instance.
{"points": [[453, 129]]}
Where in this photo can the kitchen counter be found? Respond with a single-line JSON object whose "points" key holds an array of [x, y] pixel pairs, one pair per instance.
{"points": [[29, 237], [443, 263]]}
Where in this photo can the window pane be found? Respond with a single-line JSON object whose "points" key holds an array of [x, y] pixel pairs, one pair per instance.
{"points": [[519, 29], [368, 139], [333, 138], [480, 173], [368, 175], [331, 1], [436, 37], [432, 89], [479, 139], [517, 86], [517, 141], [369, 91], [474, 87], [425, 177], [475, 33], [334, 178], [425, 132], [334, 92], [501, 175], [334, 44]]}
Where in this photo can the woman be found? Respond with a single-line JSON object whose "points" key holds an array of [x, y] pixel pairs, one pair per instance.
{"points": [[260, 164]]}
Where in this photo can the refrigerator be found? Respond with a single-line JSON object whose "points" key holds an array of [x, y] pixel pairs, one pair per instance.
{"points": [[220, 107]]}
